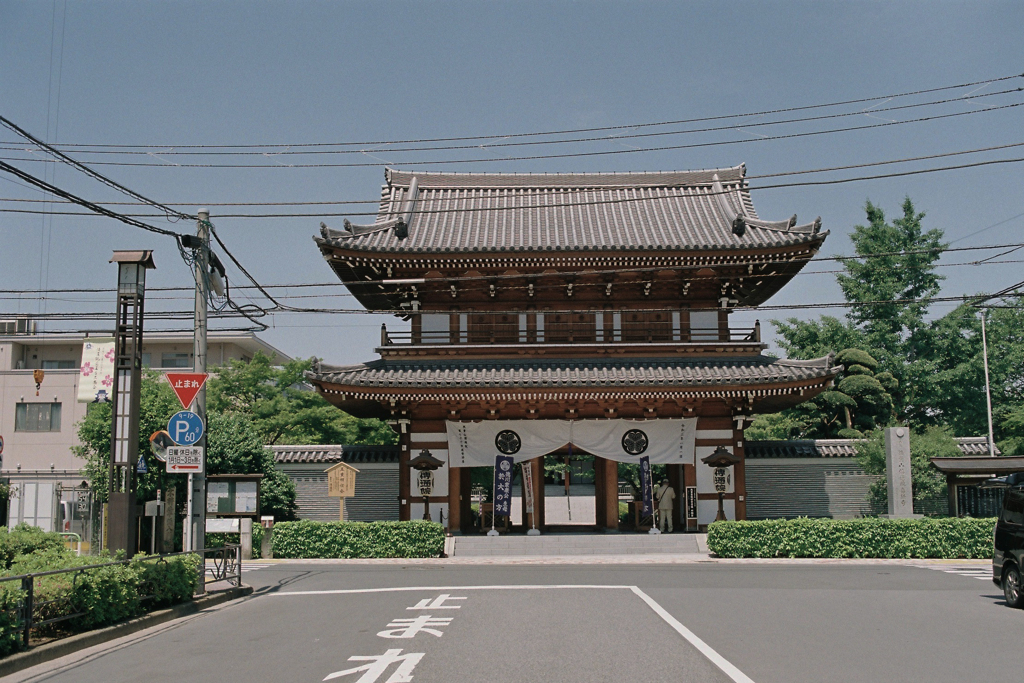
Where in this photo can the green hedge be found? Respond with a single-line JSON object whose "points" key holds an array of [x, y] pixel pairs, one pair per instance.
{"points": [[870, 537], [102, 596], [23, 540], [308, 539]]}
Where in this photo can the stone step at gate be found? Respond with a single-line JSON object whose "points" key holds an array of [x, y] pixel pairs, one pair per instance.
{"points": [[577, 544]]}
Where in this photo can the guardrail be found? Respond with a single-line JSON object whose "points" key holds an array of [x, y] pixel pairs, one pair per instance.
{"points": [[227, 566]]}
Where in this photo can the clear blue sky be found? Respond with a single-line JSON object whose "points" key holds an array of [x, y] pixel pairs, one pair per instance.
{"points": [[243, 73]]}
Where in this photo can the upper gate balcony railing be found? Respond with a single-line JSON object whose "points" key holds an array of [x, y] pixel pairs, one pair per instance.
{"points": [[568, 332]]}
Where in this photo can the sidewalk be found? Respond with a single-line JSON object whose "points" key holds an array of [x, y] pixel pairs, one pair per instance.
{"points": [[659, 559]]}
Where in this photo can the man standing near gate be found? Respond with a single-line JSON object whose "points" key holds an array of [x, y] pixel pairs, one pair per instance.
{"points": [[665, 497]]}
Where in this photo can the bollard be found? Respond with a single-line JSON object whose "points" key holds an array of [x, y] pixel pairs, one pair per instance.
{"points": [[245, 537], [267, 544]]}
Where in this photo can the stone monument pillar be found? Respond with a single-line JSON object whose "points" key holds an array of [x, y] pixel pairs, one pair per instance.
{"points": [[897, 473]]}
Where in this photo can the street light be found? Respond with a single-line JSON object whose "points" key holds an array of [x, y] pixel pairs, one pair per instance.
{"points": [[721, 460], [426, 464], [119, 526]]}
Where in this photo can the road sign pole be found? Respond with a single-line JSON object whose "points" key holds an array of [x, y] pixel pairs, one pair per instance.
{"points": [[197, 488]]}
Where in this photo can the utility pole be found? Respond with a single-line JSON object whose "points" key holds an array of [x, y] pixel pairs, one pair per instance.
{"points": [[197, 483], [988, 390]]}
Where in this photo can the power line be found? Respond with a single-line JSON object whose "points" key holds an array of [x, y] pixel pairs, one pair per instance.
{"points": [[57, 154], [83, 202], [9, 146], [528, 193], [558, 205], [488, 278], [184, 315], [13, 295], [570, 131], [567, 155]]}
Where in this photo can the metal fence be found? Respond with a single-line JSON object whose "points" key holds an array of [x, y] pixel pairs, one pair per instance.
{"points": [[32, 613]]}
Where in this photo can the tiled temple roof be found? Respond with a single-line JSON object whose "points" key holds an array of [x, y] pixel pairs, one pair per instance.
{"points": [[531, 373], [330, 454], [502, 212], [840, 448]]}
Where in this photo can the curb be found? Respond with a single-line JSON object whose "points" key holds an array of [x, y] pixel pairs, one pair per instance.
{"points": [[66, 646]]}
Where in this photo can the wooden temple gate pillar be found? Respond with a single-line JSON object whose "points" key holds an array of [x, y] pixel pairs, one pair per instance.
{"points": [[460, 515], [606, 493], [404, 439], [675, 480]]}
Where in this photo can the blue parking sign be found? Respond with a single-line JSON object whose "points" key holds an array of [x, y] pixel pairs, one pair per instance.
{"points": [[185, 428]]}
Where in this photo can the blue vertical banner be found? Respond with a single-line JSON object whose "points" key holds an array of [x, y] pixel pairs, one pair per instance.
{"points": [[503, 485], [647, 486]]}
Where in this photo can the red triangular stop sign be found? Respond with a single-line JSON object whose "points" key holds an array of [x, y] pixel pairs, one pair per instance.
{"points": [[186, 385]]}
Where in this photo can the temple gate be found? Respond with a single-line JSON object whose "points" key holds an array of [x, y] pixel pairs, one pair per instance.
{"points": [[570, 308]]}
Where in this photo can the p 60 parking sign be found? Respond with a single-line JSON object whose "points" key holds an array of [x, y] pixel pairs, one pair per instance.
{"points": [[185, 428]]}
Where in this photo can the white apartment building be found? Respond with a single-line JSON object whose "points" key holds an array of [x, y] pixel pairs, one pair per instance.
{"points": [[39, 428]]}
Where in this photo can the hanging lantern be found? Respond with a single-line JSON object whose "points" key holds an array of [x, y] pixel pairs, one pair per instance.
{"points": [[38, 375], [426, 481], [721, 478]]}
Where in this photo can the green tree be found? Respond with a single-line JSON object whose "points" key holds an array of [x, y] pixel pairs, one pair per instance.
{"points": [[234, 446], [929, 484], [1012, 429], [860, 402], [284, 409], [774, 427], [895, 265], [958, 397]]}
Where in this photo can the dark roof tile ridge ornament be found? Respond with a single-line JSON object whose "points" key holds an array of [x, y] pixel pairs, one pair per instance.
{"points": [[400, 224], [740, 219]]}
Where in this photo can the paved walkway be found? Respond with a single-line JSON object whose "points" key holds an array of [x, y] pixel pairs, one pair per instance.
{"points": [[681, 559]]}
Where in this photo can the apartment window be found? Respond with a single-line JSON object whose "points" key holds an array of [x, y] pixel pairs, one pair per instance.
{"points": [[704, 325], [37, 417], [59, 365], [176, 360], [147, 360]]}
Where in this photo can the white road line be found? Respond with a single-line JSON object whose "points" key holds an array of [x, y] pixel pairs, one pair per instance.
{"points": [[395, 589], [718, 660], [980, 573]]}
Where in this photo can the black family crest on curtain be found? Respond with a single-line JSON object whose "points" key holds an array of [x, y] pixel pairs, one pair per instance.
{"points": [[508, 442], [635, 442]]}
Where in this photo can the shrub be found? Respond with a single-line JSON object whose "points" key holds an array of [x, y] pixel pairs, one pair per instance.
{"points": [[23, 540], [306, 538], [169, 581], [10, 635], [101, 596], [892, 538]]}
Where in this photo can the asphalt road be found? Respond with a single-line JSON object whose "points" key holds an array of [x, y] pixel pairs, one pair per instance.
{"points": [[695, 622]]}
